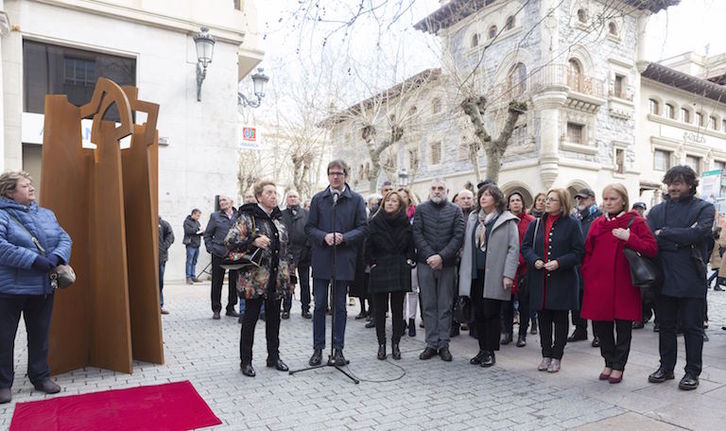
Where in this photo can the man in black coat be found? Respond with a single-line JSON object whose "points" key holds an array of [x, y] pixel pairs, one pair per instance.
{"points": [[438, 234], [346, 230], [682, 226], [294, 218], [587, 211], [219, 224], [192, 240], [166, 239]]}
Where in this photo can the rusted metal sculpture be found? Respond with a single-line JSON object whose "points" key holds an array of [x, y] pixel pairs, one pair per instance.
{"points": [[106, 198]]}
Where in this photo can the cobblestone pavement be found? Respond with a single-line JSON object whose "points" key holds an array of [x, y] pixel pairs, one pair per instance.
{"points": [[408, 394]]}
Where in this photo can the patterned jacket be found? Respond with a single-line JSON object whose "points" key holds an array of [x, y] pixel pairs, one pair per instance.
{"points": [[252, 221]]}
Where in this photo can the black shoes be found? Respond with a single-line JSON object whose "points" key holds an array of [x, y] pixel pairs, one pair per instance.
{"points": [[411, 327], [247, 369], [307, 315], [506, 339], [595, 342], [454, 331], [689, 382], [48, 387], [371, 324], [361, 315], [277, 364], [382, 351], [231, 313], [661, 375], [5, 395], [395, 351], [285, 315], [338, 359], [638, 324], [215, 315], [521, 341], [428, 353], [445, 354], [317, 357], [489, 360], [577, 336]]}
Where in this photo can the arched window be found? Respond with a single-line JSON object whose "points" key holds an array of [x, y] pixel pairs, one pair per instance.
{"points": [[685, 115], [518, 79], [492, 32], [574, 75], [475, 40], [582, 15], [612, 29], [653, 107], [436, 105], [510, 23], [670, 111]]}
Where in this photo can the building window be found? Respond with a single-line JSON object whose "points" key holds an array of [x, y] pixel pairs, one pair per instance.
{"points": [[237, 4], [700, 119], [612, 29], [653, 106], [510, 23], [574, 76], [670, 111], [492, 32], [436, 153], [719, 164], [574, 133], [618, 86], [413, 159], [661, 160], [53, 69], [436, 105], [475, 40], [518, 79], [694, 162], [619, 160], [712, 123], [582, 15], [519, 136], [685, 115]]}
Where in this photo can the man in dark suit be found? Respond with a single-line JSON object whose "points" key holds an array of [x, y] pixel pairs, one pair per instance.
{"points": [[217, 228], [345, 232], [166, 239], [294, 218], [682, 226]]}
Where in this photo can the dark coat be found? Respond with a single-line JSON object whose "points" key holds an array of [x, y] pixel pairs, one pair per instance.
{"points": [[561, 291], [609, 292], [389, 246], [166, 239], [299, 241], [191, 237], [438, 229], [586, 218], [251, 222], [217, 229], [350, 220], [685, 228]]}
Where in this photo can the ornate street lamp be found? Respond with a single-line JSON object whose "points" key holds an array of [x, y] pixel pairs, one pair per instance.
{"points": [[204, 42], [403, 178], [259, 80]]}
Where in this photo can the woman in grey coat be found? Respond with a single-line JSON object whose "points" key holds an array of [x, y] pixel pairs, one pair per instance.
{"points": [[488, 266]]}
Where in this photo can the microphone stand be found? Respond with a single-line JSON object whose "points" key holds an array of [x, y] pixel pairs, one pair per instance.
{"points": [[331, 362]]}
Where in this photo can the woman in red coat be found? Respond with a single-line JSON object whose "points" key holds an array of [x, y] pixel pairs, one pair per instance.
{"points": [[611, 301]]}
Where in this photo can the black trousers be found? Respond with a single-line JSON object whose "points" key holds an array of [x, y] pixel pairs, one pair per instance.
{"points": [[547, 319], [689, 311], [381, 300], [487, 315], [217, 280], [508, 314], [36, 313], [614, 346], [578, 322], [272, 328], [303, 276]]}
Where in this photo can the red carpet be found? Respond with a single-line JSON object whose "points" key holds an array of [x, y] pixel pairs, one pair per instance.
{"points": [[172, 406]]}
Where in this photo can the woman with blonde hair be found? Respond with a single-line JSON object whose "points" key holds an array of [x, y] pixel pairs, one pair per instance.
{"points": [[611, 301], [553, 247]]}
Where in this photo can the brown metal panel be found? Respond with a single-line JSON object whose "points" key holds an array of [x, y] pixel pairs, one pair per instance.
{"points": [[65, 190], [142, 235]]}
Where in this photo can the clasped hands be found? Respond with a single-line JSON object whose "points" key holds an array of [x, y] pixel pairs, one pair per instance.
{"points": [[262, 242], [334, 238], [549, 266], [435, 262]]}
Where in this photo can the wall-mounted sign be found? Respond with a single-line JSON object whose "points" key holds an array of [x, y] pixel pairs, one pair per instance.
{"points": [[250, 138]]}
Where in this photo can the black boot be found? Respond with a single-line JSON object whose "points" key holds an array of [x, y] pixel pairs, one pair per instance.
{"points": [[411, 327], [521, 341], [382, 351], [395, 351]]}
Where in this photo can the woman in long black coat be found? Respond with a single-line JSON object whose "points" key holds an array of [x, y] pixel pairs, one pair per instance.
{"points": [[389, 252], [553, 246]]}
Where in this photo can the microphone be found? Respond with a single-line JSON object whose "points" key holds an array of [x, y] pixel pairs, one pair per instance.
{"points": [[336, 195]]}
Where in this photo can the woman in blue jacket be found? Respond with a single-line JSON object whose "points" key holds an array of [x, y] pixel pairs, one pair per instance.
{"points": [[32, 244]]}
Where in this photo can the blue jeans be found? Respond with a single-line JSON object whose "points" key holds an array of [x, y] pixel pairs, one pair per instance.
{"points": [[162, 266], [192, 256], [340, 313]]}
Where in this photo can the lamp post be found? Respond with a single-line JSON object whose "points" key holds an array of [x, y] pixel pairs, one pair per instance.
{"points": [[403, 178], [204, 43], [259, 80]]}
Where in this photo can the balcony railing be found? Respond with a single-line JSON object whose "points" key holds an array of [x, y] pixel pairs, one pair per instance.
{"points": [[559, 75]]}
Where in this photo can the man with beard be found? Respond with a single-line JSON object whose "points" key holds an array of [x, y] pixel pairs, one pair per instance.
{"points": [[219, 224], [438, 234], [682, 226]]}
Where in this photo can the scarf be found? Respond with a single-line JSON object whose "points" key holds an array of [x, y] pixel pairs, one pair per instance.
{"points": [[481, 228]]}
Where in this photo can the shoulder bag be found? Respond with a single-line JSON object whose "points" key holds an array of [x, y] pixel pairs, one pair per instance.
{"points": [[644, 271], [241, 261]]}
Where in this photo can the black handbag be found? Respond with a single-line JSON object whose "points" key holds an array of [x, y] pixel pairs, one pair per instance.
{"points": [[644, 271], [242, 261]]}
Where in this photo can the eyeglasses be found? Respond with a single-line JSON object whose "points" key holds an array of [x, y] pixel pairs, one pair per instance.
{"points": [[336, 174], [552, 200]]}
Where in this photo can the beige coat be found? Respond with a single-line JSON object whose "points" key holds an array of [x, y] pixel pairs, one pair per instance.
{"points": [[502, 256], [716, 260]]}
